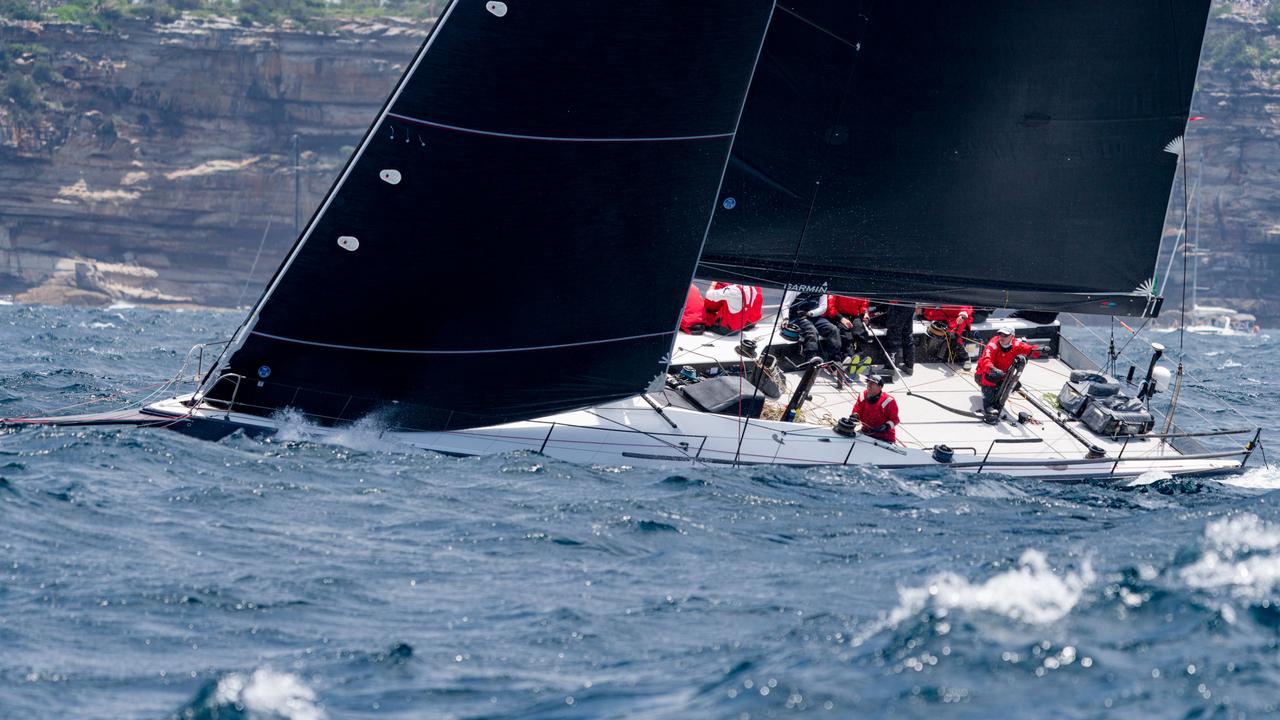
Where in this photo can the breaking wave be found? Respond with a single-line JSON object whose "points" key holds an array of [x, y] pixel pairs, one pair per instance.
{"points": [[368, 434], [1241, 555], [1261, 478], [1030, 593], [263, 695]]}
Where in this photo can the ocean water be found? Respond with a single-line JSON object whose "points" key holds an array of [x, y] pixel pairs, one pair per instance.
{"points": [[144, 574]]}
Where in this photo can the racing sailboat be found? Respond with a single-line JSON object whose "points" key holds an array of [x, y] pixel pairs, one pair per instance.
{"points": [[587, 160]]}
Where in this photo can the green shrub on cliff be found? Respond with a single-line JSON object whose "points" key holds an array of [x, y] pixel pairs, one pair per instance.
{"points": [[270, 12], [43, 73], [1272, 14], [157, 12], [83, 13], [1230, 52], [21, 91], [19, 10]]}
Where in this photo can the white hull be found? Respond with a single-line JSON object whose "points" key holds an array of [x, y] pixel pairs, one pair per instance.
{"points": [[1212, 330], [632, 432]]}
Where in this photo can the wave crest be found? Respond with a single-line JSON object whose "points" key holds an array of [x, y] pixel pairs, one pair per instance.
{"points": [[1241, 555], [1031, 593], [263, 695]]}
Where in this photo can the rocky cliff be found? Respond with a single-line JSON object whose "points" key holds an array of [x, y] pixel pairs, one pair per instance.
{"points": [[155, 162], [152, 162], [1233, 166]]}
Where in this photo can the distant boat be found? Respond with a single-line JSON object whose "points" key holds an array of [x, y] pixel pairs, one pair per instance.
{"points": [[1223, 321], [502, 263]]}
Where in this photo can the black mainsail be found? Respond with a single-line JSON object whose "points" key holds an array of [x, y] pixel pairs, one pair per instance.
{"points": [[516, 232], [1002, 153]]}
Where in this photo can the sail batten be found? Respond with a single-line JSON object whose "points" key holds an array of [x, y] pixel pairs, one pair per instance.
{"points": [[472, 351], [561, 138]]}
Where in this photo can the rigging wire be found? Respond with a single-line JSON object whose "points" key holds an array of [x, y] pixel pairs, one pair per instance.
{"points": [[1222, 401], [1111, 348], [795, 260], [1134, 335], [1186, 203], [813, 201], [902, 379], [257, 256], [1182, 158]]}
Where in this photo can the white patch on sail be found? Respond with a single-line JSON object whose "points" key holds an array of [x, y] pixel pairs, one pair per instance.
{"points": [[1175, 146], [1148, 287], [390, 177], [497, 8], [349, 243]]}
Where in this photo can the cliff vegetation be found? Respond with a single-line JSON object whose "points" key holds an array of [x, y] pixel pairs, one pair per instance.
{"points": [[165, 150]]}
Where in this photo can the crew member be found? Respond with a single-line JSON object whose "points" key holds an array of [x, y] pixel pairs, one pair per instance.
{"points": [[819, 338], [850, 315], [732, 308], [997, 358], [877, 411], [957, 319], [694, 319], [898, 340]]}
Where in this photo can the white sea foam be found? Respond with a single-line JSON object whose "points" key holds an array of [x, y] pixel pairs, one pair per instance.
{"points": [[292, 426], [1148, 477], [368, 434], [1241, 555], [1031, 593], [1259, 478], [993, 489], [269, 694]]}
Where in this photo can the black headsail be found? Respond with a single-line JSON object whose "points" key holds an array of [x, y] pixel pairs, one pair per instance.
{"points": [[515, 234], [1002, 152]]}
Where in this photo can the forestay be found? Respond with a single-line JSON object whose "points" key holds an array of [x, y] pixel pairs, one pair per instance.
{"points": [[1004, 153], [526, 211]]}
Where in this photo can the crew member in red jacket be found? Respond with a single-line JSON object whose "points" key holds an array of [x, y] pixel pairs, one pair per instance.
{"points": [[958, 321], [732, 308], [997, 358], [694, 319], [850, 315], [877, 411]]}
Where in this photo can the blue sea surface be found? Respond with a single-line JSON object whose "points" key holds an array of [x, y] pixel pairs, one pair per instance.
{"points": [[145, 574]]}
